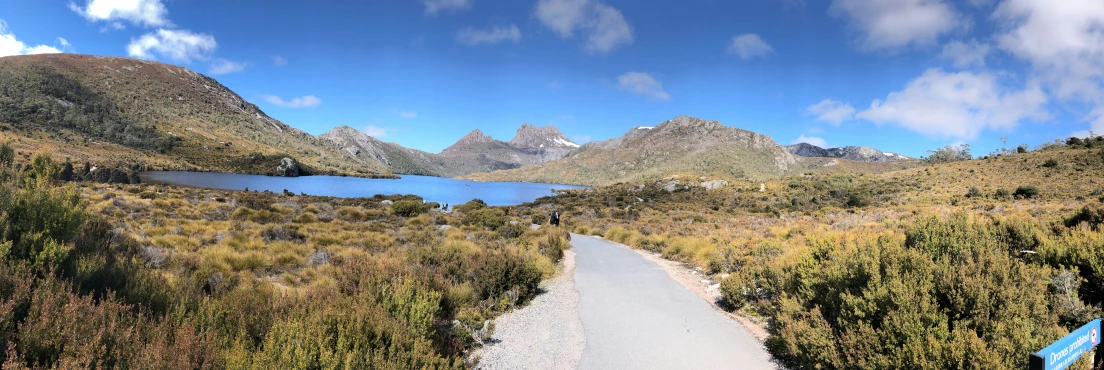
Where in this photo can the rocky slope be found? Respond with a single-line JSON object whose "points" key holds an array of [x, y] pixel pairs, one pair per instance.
{"points": [[402, 160], [854, 153], [531, 145], [122, 111], [684, 145]]}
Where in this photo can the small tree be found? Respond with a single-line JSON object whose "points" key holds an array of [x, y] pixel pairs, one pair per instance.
{"points": [[949, 153]]}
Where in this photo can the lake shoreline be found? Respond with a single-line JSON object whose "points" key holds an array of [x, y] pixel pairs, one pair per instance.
{"points": [[430, 188]]}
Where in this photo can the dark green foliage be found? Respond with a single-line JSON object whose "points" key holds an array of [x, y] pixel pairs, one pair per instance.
{"points": [[488, 218], [1050, 163], [1021, 149], [1074, 141], [950, 296], [855, 201], [7, 155], [66, 172], [538, 219], [1002, 194], [973, 192], [474, 204], [44, 97], [1092, 215], [512, 231], [1026, 192], [408, 208]]}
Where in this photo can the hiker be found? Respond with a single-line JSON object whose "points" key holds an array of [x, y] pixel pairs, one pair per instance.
{"points": [[554, 218]]}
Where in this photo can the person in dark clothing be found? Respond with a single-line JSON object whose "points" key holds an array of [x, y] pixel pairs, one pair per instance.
{"points": [[554, 218]]}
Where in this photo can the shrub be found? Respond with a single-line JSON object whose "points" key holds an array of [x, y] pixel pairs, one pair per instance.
{"points": [[512, 231], [487, 218], [538, 219], [1026, 192], [473, 205], [408, 208], [973, 192], [734, 291], [1021, 149], [282, 233], [1050, 163], [1074, 141], [1093, 215], [1001, 194]]}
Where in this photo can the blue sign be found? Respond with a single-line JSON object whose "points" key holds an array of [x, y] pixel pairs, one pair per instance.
{"points": [[1065, 351]]}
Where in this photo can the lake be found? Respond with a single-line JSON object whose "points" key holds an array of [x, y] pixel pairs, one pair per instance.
{"points": [[432, 189]]}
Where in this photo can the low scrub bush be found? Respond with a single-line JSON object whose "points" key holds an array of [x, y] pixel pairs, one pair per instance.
{"points": [[1026, 192], [408, 208]]}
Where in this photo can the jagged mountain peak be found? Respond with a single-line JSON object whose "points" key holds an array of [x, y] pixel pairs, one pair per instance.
{"points": [[533, 137], [855, 153], [473, 138]]}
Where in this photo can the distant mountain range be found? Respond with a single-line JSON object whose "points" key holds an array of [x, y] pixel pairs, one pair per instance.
{"points": [[126, 112], [475, 152], [854, 153], [684, 145]]}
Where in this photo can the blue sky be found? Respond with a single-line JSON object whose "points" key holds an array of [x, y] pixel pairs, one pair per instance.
{"points": [[899, 75]]}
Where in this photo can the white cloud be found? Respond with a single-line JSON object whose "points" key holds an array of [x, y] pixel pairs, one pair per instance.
{"points": [[471, 36], [175, 45], [309, 101], [603, 26], [222, 66], [965, 55], [893, 24], [643, 84], [377, 132], [1064, 43], [279, 61], [831, 111], [581, 139], [749, 45], [810, 140], [10, 45], [435, 6], [957, 105], [149, 13], [408, 114]]}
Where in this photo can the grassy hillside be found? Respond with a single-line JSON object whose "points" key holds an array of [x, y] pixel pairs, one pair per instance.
{"points": [[155, 115], [144, 276], [684, 145], [969, 264]]}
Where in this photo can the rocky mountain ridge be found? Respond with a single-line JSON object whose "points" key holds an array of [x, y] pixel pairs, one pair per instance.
{"points": [[683, 145], [854, 153]]}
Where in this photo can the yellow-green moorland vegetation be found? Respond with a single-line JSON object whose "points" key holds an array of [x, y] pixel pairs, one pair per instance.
{"points": [[963, 264], [142, 276]]}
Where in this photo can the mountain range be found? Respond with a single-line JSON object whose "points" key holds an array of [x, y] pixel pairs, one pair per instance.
{"points": [[854, 153], [475, 152], [115, 111]]}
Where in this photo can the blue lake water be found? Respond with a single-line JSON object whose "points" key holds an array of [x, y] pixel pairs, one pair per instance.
{"points": [[432, 189]]}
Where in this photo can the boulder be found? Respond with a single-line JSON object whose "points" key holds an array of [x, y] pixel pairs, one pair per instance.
{"points": [[288, 168], [714, 184]]}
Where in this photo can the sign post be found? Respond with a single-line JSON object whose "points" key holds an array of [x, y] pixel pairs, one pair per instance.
{"points": [[1061, 354]]}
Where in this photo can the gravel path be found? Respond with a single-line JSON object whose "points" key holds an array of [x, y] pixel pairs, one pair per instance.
{"points": [[545, 334], [635, 316]]}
